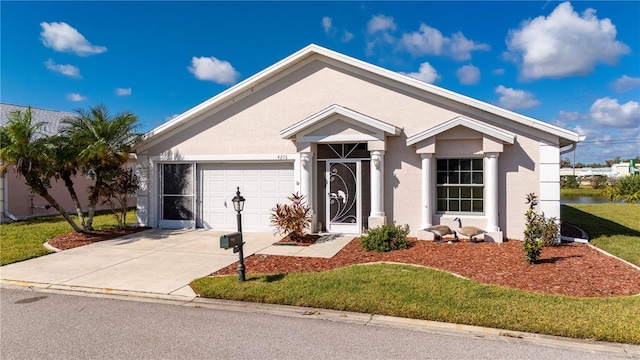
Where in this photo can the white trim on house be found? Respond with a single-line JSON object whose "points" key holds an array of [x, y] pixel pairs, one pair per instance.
{"points": [[502, 135], [350, 116], [314, 51]]}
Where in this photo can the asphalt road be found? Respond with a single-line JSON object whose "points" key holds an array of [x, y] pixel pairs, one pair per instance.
{"points": [[39, 325]]}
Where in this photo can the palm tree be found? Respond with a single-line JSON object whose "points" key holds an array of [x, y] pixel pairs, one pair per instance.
{"points": [[104, 143], [65, 166], [31, 154]]}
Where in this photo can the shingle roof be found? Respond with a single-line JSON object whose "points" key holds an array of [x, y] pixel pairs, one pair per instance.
{"points": [[51, 118]]}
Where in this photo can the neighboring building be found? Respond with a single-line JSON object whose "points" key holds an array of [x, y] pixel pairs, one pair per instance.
{"points": [[616, 170], [365, 145], [16, 200]]}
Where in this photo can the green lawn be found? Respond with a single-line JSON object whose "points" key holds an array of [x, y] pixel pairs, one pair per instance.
{"points": [[420, 293], [614, 228], [414, 292], [23, 240]]}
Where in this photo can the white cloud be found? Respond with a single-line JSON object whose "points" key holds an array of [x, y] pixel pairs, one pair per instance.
{"points": [[212, 69], [468, 75], [67, 69], [516, 99], [76, 97], [430, 41], [123, 91], [569, 116], [608, 112], [425, 73], [327, 26], [62, 37], [625, 83], [563, 44], [499, 71], [380, 23], [347, 36]]}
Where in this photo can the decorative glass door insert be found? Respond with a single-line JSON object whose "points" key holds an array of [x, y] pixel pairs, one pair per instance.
{"points": [[343, 202]]}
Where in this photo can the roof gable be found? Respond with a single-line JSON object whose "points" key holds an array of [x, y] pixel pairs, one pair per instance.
{"points": [[313, 51], [369, 125], [499, 134]]}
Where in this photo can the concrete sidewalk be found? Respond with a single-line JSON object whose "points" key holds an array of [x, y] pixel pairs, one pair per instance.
{"points": [[154, 261]]}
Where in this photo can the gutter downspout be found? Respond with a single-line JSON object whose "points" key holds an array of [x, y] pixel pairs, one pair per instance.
{"points": [[573, 146]]}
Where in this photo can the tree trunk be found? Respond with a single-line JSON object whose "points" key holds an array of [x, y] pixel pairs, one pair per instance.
{"points": [[45, 194], [93, 201], [74, 197]]}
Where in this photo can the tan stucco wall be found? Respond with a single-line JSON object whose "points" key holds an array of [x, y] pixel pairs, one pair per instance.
{"points": [[258, 118], [19, 196]]}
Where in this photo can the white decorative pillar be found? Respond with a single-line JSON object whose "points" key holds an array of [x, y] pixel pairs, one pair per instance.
{"points": [[306, 168], [491, 194], [427, 191], [377, 217]]}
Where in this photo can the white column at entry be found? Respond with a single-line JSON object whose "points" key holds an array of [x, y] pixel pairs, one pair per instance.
{"points": [[377, 217], [491, 194], [306, 170], [427, 191]]}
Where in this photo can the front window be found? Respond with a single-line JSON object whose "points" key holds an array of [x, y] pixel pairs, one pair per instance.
{"points": [[460, 185]]}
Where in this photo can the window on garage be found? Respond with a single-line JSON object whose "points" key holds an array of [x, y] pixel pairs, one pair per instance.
{"points": [[460, 185]]}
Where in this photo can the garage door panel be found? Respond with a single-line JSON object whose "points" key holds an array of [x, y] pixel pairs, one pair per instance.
{"points": [[263, 185]]}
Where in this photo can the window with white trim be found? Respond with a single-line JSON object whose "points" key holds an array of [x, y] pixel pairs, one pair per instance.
{"points": [[459, 185]]}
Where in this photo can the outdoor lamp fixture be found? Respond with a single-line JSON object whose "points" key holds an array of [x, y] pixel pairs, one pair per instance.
{"points": [[238, 202], [238, 205]]}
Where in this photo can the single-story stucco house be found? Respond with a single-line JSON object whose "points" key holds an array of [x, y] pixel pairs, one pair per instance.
{"points": [[364, 144]]}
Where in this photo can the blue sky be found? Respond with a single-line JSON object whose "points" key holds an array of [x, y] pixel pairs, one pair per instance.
{"points": [[572, 64]]}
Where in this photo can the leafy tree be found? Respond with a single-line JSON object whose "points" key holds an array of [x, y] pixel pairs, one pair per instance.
{"points": [[118, 191], [104, 143], [23, 146], [565, 163]]}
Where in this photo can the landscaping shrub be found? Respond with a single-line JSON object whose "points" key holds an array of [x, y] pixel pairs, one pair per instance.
{"points": [[540, 232], [626, 189], [385, 238], [292, 219], [569, 182], [599, 181]]}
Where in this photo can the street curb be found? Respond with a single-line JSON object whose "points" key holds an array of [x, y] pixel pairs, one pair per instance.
{"points": [[49, 247], [624, 350]]}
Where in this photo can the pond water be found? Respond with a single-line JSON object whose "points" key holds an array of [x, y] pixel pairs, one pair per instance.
{"points": [[584, 200]]}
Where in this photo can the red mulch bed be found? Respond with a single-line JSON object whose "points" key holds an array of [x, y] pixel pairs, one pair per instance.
{"points": [[568, 269], [74, 239]]}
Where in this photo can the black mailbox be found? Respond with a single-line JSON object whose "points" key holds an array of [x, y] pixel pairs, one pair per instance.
{"points": [[232, 240]]}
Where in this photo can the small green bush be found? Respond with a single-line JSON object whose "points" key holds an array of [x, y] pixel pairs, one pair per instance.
{"points": [[540, 232], [385, 238], [569, 182]]}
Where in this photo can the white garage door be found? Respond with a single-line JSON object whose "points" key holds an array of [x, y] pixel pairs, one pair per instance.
{"points": [[262, 185]]}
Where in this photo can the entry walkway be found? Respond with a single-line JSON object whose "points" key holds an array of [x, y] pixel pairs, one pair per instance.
{"points": [[155, 261]]}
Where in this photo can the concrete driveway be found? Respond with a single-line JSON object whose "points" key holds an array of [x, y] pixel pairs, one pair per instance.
{"points": [[154, 261]]}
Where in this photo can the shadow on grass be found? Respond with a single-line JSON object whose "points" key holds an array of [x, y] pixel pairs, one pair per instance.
{"points": [[268, 278], [594, 226]]}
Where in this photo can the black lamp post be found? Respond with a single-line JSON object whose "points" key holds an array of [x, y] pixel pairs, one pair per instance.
{"points": [[238, 205]]}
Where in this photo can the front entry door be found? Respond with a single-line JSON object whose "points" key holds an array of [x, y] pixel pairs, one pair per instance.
{"points": [[344, 207]]}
